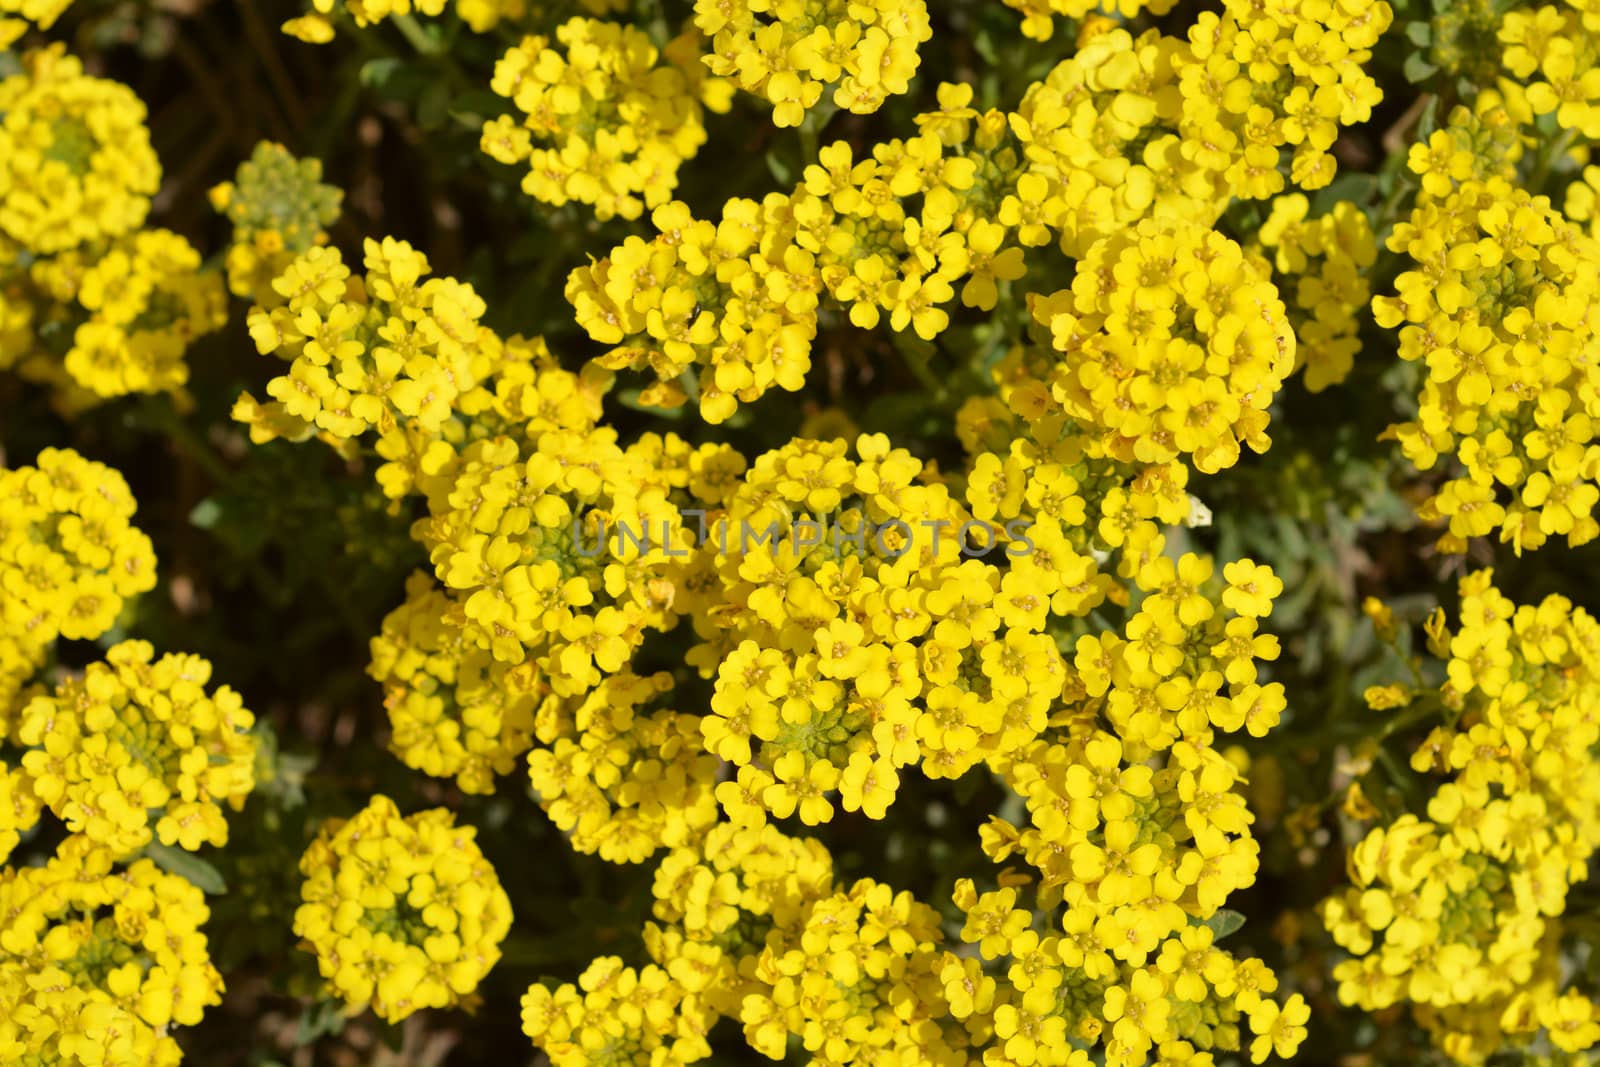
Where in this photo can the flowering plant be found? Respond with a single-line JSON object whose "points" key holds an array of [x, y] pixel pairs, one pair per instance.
{"points": [[640, 533]]}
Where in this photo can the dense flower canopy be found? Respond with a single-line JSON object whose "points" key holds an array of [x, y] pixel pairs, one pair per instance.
{"points": [[1054, 533]]}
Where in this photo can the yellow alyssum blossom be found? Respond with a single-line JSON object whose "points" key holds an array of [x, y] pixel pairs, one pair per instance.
{"points": [[454, 709], [717, 899], [729, 309], [1279, 77], [1457, 910], [16, 14], [279, 208], [617, 1015], [604, 121], [1038, 16], [1106, 142], [737, 299], [111, 318], [403, 913], [368, 352], [98, 963], [75, 158], [1550, 51], [859, 634], [621, 777], [558, 550], [69, 559], [19, 806], [138, 749], [1327, 258], [858, 977], [317, 25], [1499, 308], [1172, 341], [792, 51]]}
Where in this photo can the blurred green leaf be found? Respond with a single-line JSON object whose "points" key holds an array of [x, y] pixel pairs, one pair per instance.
{"points": [[188, 866], [1223, 923]]}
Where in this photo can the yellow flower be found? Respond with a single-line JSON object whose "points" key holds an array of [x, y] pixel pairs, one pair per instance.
{"points": [[137, 749], [402, 913], [75, 158]]}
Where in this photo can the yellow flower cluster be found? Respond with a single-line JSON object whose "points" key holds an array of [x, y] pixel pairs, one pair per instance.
{"points": [[405, 354], [1049, 997], [790, 51], [112, 318], [856, 639], [1553, 52], [623, 779], [1132, 127], [1327, 258], [1259, 79], [1142, 827], [752, 928], [557, 550], [1106, 145], [1173, 343], [1458, 912], [716, 900], [69, 559], [1475, 145], [604, 122], [100, 964], [1500, 307], [75, 158], [1128, 129], [859, 978], [19, 807], [886, 237], [1038, 16], [15, 15], [368, 352], [317, 25], [89, 304], [737, 298], [137, 748], [626, 1016], [523, 394], [455, 711], [403, 913], [279, 208]]}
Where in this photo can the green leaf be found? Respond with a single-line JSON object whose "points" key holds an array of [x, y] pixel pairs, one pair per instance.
{"points": [[1223, 923], [375, 73], [205, 514], [188, 866], [1420, 34], [983, 44], [779, 169], [1356, 186], [322, 1018], [1418, 69], [473, 109], [1429, 122]]}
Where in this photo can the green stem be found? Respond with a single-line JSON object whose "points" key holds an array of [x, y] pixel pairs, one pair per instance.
{"points": [[416, 35], [435, 49], [811, 130], [916, 359], [1553, 150]]}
